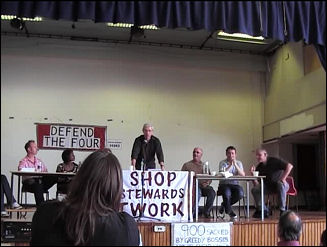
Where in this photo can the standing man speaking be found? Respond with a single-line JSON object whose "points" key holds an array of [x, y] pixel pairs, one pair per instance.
{"points": [[145, 148]]}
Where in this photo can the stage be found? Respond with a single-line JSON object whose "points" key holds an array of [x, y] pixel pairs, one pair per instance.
{"points": [[246, 232], [243, 232]]}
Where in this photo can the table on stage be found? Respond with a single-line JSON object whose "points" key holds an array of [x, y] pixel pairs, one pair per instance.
{"points": [[19, 174], [238, 178]]}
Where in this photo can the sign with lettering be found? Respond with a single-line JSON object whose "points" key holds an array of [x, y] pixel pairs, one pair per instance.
{"points": [[161, 195], [78, 137], [115, 144], [201, 234]]}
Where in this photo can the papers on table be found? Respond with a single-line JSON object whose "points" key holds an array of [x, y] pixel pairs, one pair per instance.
{"points": [[28, 169], [226, 174]]}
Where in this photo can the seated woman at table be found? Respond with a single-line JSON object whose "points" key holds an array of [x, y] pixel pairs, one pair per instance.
{"points": [[68, 165], [89, 215]]}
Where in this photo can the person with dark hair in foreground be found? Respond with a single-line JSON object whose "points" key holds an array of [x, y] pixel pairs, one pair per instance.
{"points": [[89, 215], [289, 229], [323, 238]]}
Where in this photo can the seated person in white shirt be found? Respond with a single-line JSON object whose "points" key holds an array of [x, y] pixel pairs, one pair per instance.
{"points": [[230, 190]]}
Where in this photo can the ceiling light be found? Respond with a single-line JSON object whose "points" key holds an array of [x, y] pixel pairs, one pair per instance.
{"points": [[151, 27], [10, 17], [128, 25], [110, 24], [241, 37]]}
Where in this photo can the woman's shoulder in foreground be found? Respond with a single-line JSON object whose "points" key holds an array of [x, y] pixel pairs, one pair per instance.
{"points": [[121, 218], [119, 228], [50, 204]]}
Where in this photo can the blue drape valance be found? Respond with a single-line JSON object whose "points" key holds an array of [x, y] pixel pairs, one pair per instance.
{"points": [[282, 20]]}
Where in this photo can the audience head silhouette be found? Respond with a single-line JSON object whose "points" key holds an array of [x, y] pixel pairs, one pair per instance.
{"points": [[323, 238], [289, 226]]}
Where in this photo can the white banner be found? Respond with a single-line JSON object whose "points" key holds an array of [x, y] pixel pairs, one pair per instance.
{"points": [[165, 195], [201, 234]]}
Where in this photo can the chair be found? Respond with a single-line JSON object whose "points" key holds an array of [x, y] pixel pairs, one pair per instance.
{"points": [[291, 192], [272, 197], [60, 192], [57, 194], [25, 190], [23, 213], [239, 205], [211, 211], [272, 202], [244, 207]]}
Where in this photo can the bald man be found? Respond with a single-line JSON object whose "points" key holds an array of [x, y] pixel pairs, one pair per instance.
{"points": [[276, 171], [289, 229], [196, 165]]}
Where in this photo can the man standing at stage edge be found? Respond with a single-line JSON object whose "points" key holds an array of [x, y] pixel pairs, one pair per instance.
{"points": [[145, 148]]}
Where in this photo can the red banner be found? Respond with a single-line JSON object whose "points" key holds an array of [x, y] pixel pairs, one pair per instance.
{"points": [[77, 137]]}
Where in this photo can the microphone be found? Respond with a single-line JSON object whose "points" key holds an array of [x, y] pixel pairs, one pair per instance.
{"points": [[145, 142], [142, 165]]}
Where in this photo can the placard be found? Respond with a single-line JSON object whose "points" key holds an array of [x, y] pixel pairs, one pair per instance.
{"points": [[201, 234], [159, 195], [78, 137]]}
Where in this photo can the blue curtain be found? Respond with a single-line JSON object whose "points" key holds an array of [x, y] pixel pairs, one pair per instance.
{"points": [[282, 20], [307, 21]]}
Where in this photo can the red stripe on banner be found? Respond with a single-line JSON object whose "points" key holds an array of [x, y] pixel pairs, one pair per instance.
{"points": [[100, 132], [42, 130]]}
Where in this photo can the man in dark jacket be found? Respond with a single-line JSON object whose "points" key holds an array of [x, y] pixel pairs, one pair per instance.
{"points": [[145, 148]]}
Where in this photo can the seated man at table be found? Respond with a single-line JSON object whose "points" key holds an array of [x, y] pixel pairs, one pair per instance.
{"points": [[35, 184], [196, 165], [276, 171], [230, 190]]}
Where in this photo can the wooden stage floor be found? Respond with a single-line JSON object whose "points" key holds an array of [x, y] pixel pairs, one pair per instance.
{"points": [[244, 232], [247, 232]]}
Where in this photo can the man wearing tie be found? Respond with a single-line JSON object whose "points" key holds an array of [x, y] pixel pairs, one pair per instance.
{"points": [[145, 148]]}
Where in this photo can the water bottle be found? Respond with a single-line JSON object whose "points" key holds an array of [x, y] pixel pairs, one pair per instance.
{"points": [[206, 167], [142, 165], [39, 167]]}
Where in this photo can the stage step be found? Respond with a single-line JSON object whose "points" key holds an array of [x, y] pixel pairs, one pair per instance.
{"points": [[27, 210], [22, 212]]}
